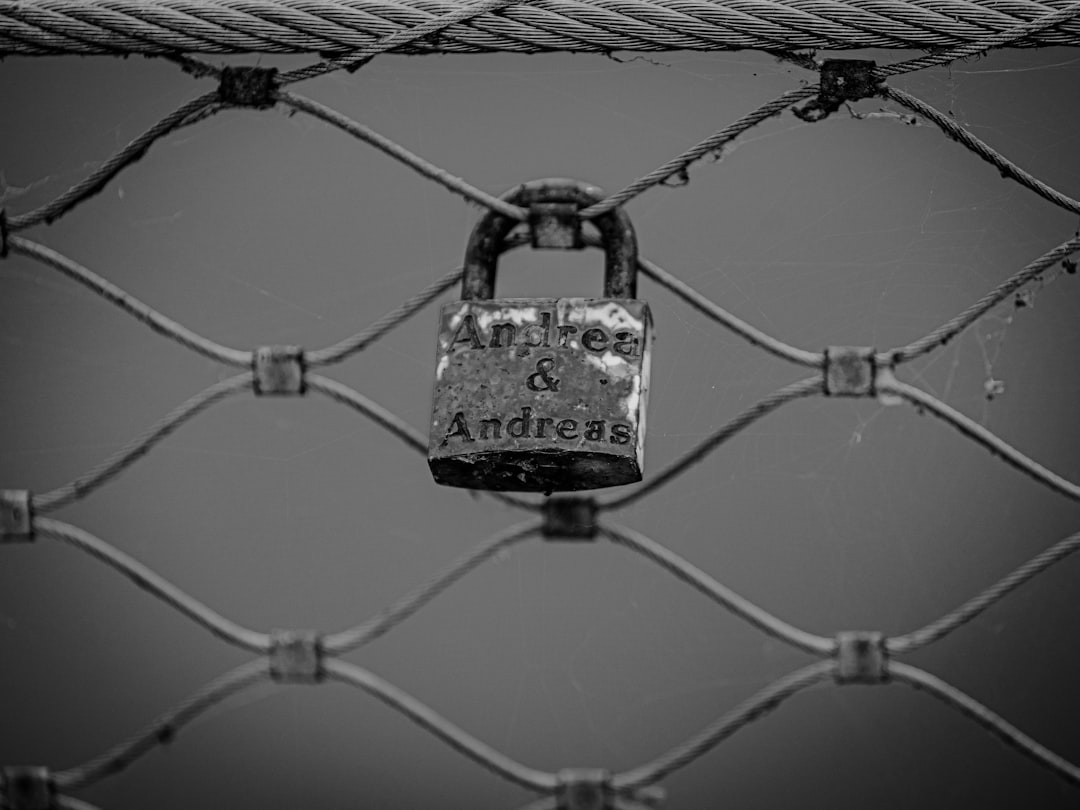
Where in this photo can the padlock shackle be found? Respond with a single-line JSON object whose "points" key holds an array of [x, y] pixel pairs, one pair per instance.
{"points": [[488, 238]]}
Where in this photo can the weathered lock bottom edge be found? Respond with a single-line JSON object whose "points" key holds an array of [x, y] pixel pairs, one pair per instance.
{"points": [[535, 470]]}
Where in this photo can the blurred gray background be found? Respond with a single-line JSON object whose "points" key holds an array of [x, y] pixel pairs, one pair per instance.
{"points": [[260, 227]]}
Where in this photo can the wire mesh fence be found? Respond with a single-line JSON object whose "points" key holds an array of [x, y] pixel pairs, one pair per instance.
{"points": [[310, 656]]}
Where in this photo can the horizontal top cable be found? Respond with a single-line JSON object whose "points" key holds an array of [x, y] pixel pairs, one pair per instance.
{"points": [[338, 27]]}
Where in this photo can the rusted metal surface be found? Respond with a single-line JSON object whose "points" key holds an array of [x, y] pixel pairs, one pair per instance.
{"points": [[254, 87], [487, 240], [850, 371], [842, 81], [555, 226], [541, 395], [549, 394]]}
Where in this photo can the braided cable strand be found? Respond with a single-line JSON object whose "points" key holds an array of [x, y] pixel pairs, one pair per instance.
{"points": [[359, 29], [947, 331], [378, 414], [789, 393], [738, 718], [398, 152], [397, 40], [134, 450], [740, 327], [725, 597], [453, 736], [966, 705], [1010, 36], [973, 430], [361, 340], [405, 607], [991, 596], [186, 114], [165, 727], [154, 584], [714, 144], [229, 631], [130, 304], [987, 153]]}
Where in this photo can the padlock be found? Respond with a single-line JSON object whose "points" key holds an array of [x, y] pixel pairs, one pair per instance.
{"points": [[549, 394]]}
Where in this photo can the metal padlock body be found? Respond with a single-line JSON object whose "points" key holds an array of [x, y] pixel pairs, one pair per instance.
{"points": [[543, 395]]}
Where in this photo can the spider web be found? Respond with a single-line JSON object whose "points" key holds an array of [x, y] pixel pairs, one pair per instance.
{"points": [[869, 228]]}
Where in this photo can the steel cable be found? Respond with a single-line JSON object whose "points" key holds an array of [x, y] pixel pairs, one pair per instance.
{"points": [[803, 388], [971, 708], [723, 596], [154, 584], [738, 718], [391, 617], [164, 728], [338, 30], [134, 450], [940, 628], [954, 326], [142, 312], [437, 725], [973, 430]]}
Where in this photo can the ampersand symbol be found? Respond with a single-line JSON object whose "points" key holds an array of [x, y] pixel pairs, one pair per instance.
{"points": [[541, 376]]}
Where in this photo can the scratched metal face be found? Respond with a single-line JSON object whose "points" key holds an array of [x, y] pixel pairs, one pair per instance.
{"points": [[540, 395]]}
